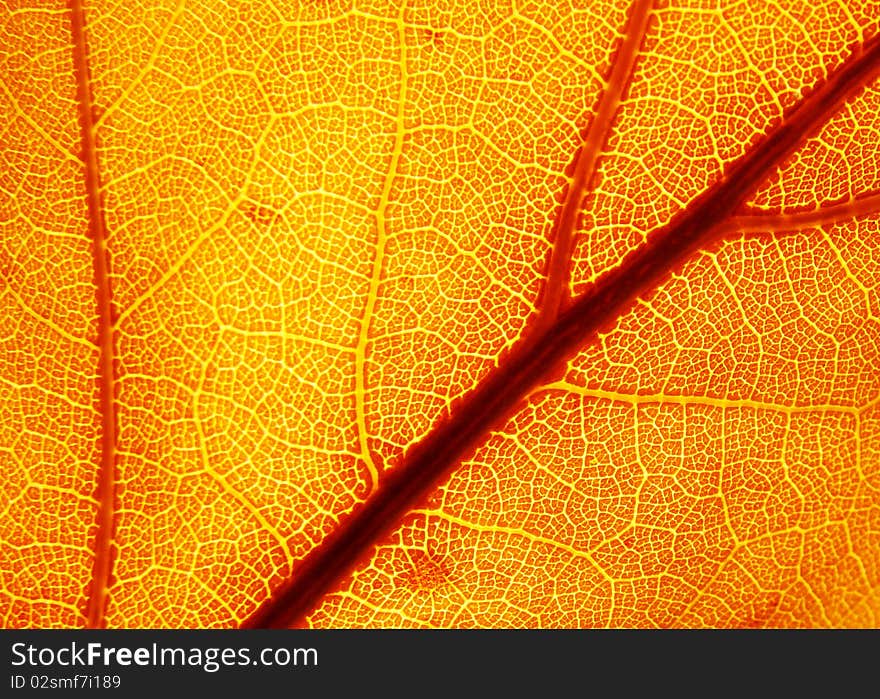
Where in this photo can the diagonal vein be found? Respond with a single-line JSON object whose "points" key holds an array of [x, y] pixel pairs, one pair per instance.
{"points": [[106, 481], [584, 164], [542, 353]]}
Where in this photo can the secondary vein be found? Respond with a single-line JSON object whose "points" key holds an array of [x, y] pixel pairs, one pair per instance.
{"points": [[556, 289], [106, 481]]}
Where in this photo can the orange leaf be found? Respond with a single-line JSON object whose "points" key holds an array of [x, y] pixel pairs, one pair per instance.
{"points": [[440, 316]]}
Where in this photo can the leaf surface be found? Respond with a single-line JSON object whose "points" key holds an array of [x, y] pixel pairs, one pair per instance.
{"points": [[258, 257]]}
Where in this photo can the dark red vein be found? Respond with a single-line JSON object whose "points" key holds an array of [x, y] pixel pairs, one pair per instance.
{"points": [[751, 220], [106, 487], [543, 353], [584, 166]]}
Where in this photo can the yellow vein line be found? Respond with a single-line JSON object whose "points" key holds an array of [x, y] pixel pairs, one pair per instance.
{"points": [[360, 356], [150, 62], [36, 126], [227, 487], [654, 398], [514, 531], [46, 321]]}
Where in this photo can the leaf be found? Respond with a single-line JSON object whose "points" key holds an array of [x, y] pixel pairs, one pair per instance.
{"points": [[287, 331]]}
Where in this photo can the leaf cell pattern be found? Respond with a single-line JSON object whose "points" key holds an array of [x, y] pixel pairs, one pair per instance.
{"points": [[253, 255]]}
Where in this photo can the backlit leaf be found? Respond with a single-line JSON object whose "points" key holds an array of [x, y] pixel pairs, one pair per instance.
{"points": [[439, 314]]}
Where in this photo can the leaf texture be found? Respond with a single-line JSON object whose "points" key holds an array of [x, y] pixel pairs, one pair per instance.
{"points": [[257, 256]]}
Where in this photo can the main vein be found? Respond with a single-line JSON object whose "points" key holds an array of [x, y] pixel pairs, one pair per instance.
{"points": [[106, 481], [542, 353]]}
